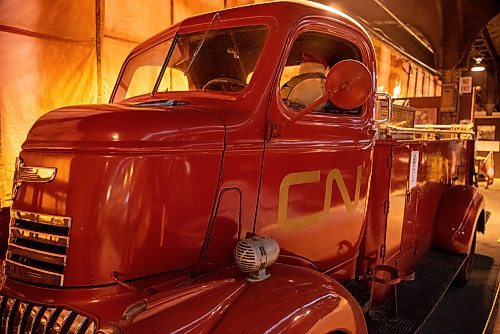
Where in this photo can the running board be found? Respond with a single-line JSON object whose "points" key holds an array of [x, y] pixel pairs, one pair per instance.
{"points": [[417, 299]]}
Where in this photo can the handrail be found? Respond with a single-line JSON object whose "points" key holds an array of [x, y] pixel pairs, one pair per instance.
{"points": [[389, 108], [464, 127], [390, 130]]}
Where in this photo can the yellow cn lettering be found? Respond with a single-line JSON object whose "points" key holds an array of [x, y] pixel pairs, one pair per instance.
{"points": [[335, 175], [285, 223], [288, 181]]}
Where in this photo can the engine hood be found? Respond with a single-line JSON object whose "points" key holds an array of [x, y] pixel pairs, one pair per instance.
{"points": [[118, 127], [136, 185], [292, 300]]}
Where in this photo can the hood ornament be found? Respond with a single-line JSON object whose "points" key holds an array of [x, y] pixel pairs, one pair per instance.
{"points": [[23, 173]]}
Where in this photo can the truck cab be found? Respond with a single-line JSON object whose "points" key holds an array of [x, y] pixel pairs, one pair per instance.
{"points": [[250, 122]]}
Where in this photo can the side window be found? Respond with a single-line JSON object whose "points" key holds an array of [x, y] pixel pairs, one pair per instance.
{"points": [[303, 78]]}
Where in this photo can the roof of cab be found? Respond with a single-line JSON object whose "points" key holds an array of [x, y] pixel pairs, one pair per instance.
{"points": [[285, 12], [289, 10]]}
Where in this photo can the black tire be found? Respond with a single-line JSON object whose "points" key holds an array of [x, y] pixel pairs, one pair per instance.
{"points": [[465, 273]]}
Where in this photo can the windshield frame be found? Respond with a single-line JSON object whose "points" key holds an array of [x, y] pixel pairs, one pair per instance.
{"points": [[177, 31]]}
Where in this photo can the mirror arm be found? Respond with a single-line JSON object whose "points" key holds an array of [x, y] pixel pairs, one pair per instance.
{"points": [[320, 100], [389, 107]]}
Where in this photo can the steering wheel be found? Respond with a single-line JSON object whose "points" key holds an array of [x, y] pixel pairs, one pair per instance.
{"points": [[232, 84], [290, 85]]}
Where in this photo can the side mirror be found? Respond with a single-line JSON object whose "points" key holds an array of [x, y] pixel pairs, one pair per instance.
{"points": [[348, 85]]}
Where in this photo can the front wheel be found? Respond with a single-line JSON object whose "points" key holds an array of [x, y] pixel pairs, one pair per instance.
{"points": [[465, 273]]}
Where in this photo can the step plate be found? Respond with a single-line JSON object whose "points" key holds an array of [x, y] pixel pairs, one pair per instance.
{"points": [[417, 299]]}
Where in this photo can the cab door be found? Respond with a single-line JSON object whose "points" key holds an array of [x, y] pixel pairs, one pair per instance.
{"points": [[316, 172]]}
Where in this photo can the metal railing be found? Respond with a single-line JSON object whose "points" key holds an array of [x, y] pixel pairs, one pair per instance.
{"points": [[428, 132]]}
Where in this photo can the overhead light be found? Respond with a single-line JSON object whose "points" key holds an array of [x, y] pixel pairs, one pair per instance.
{"points": [[478, 66]]}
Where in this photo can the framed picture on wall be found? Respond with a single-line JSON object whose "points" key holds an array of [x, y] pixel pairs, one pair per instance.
{"points": [[426, 116], [486, 132]]}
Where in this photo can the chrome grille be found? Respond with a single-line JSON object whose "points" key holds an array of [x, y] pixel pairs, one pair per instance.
{"points": [[27, 318], [38, 245]]}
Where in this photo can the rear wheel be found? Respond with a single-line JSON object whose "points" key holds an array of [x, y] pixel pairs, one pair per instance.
{"points": [[465, 273]]}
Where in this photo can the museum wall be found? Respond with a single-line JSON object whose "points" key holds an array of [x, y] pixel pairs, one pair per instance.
{"points": [[55, 53]]}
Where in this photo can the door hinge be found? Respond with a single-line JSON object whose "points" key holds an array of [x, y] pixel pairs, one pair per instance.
{"points": [[386, 207], [382, 251], [272, 130]]}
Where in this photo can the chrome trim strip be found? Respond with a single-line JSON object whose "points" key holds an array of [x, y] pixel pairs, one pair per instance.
{"points": [[36, 254], [28, 328], [60, 276], [60, 321], [33, 174], [52, 220], [46, 238], [42, 326], [77, 324]]}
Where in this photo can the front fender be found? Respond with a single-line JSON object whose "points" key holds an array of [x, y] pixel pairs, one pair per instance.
{"points": [[457, 217], [293, 299]]}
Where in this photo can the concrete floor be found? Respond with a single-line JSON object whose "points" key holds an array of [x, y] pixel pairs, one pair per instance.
{"points": [[467, 309]]}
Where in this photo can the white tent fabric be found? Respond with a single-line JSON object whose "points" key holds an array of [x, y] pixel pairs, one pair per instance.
{"points": [[55, 53]]}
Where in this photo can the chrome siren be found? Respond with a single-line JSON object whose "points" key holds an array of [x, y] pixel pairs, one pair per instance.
{"points": [[254, 255]]}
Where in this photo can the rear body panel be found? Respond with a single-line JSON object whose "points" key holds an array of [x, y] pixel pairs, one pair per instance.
{"points": [[405, 200]]}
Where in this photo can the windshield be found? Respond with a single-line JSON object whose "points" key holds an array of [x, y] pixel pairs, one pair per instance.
{"points": [[225, 62]]}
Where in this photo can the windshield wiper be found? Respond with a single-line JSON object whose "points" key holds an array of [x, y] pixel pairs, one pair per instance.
{"points": [[164, 103], [165, 63], [200, 44]]}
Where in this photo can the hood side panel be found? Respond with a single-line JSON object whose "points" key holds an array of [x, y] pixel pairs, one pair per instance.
{"points": [[141, 204]]}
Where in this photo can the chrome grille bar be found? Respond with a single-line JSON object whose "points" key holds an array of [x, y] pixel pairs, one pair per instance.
{"points": [[38, 254], [21, 317], [77, 324], [37, 248], [9, 307], [47, 238], [33, 318], [91, 328], [27, 273], [46, 317], [60, 321], [59, 221]]}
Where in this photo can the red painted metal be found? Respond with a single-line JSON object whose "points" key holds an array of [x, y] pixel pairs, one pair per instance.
{"points": [[238, 306], [160, 195], [457, 218], [116, 179]]}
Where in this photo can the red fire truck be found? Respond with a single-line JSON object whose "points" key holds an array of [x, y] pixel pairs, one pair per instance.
{"points": [[239, 181]]}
